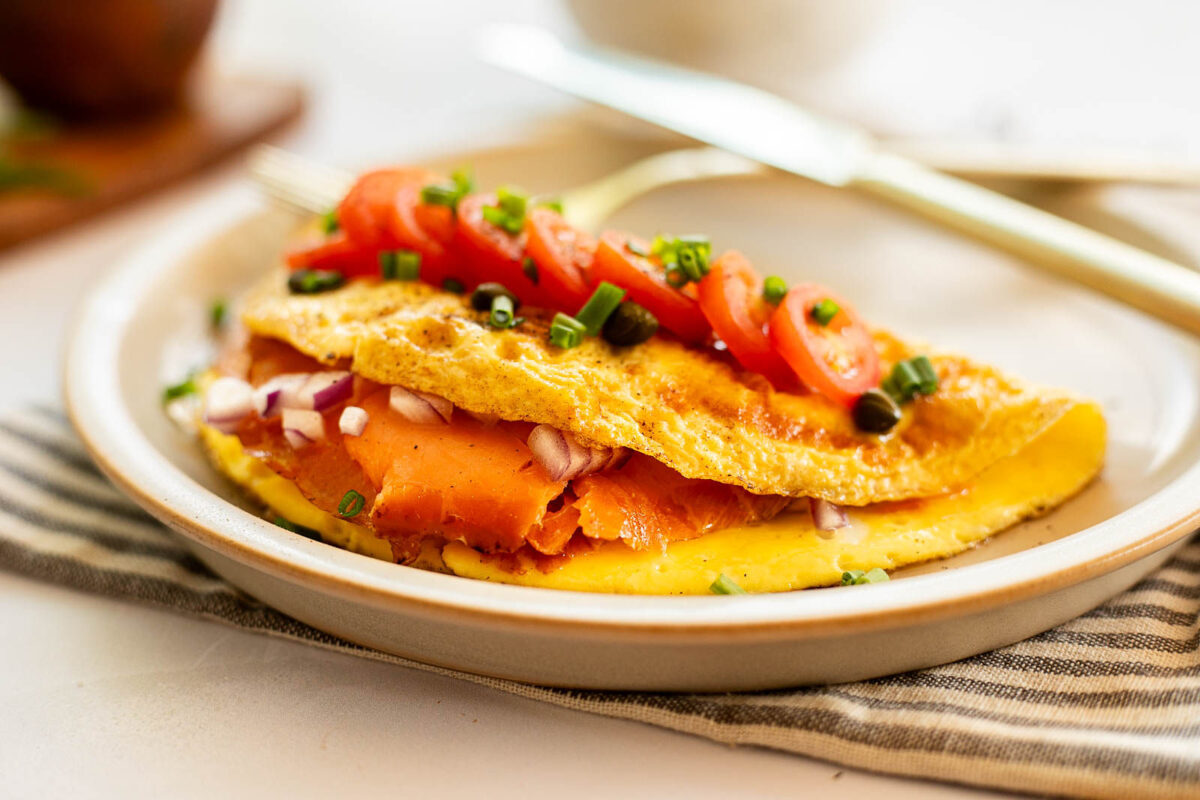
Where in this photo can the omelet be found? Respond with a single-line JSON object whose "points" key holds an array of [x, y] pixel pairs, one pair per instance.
{"points": [[720, 459], [683, 407]]}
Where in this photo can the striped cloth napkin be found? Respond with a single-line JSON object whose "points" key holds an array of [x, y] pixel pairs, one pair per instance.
{"points": [[1105, 706]]}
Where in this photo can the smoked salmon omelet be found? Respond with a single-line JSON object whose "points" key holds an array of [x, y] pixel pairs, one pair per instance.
{"points": [[464, 382]]}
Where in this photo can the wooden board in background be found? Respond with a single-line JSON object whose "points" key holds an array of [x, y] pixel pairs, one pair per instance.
{"points": [[122, 160]]}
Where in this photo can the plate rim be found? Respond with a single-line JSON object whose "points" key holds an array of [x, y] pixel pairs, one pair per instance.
{"points": [[164, 491]]}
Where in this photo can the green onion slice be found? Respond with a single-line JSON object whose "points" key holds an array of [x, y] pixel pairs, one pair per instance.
{"points": [[676, 277], [314, 281], [725, 585], [329, 222], [217, 312], [352, 503], [440, 194], [824, 311], [926, 374], [856, 577], [502, 312], [400, 265], [453, 285], [599, 307], [774, 289], [181, 389], [566, 332]]}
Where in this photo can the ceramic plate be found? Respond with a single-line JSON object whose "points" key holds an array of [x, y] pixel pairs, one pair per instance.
{"points": [[147, 317]]}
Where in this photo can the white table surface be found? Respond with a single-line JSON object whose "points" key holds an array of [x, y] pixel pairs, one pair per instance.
{"points": [[101, 698]]}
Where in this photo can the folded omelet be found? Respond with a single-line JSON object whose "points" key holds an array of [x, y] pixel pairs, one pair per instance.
{"points": [[982, 453]]}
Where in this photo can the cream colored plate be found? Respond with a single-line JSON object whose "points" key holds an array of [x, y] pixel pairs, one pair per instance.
{"points": [[147, 317]]}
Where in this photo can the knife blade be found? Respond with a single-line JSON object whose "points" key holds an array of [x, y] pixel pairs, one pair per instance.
{"points": [[773, 131]]}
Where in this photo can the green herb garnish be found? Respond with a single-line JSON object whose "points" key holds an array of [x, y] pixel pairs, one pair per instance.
{"points": [[566, 332], [910, 378], [352, 503], [449, 193], [329, 221], [824, 311], [599, 307], [453, 285], [856, 577], [774, 289], [288, 525], [400, 265], [725, 585], [181, 389], [508, 213], [314, 281], [217, 312], [529, 267], [686, 256], [502, 312]]}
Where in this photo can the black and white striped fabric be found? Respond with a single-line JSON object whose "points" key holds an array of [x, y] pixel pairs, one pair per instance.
{"points": [[1105, 706]]}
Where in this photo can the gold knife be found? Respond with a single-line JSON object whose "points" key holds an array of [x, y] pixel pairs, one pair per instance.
{"points": [[775, 132]]}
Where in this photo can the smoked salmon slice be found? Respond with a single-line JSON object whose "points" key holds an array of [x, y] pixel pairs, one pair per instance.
{"points": [[480, 484]]}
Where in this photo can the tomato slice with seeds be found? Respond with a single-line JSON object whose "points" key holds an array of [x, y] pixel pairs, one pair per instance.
{"points": [[337, 253], [366, 211], [731, 299], [424, 229], [563, 255], [645, 282], [838, 360], [489, 253]]}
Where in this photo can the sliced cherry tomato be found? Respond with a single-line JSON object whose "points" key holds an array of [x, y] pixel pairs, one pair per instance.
{"points": [[563, 255], [731, 299], [338, 253], [838, 360], [645, 282], [425, 229], [366, 211], [489, 253]]}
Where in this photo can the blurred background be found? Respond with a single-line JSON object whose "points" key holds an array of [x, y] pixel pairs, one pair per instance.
{"points": [[140, 108]]}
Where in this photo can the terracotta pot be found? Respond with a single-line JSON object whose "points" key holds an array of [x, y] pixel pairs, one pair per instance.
{"points": [[100, 57]]}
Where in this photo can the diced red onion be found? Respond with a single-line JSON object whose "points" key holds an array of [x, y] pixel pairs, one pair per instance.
{"points": [[353, 420], [826, 516], [279, 393], [324, 389], [564, 458], [420, 407], [302, 426], [227, 402]]}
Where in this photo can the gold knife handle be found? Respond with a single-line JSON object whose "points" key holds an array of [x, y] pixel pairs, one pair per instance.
{"points": [[1157, 286]]}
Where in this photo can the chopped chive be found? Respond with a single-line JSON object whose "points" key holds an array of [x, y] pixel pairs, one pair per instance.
{"points": [[288, 525], [352, 503], [552, 203], [824, 311], [774, 289], [906, 378], [676, 277], [529, 267], [566, 332], [503, 220], [599, 307], [725, 585], [636, 248], [502, 312], [856, 577], [658, 246], [314, 281], [440, 194], [217, 312], [464, 179], [453, 285], [181, 389], [926, 373], [329, 222], [400, 265]]}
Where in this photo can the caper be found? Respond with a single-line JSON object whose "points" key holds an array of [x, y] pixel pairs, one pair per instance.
{"points": [[485, 293], [876, 412], [630, 324], [312, 281]]}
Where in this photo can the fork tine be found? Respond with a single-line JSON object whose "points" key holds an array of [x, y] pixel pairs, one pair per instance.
{"points": [[296, 181]]}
